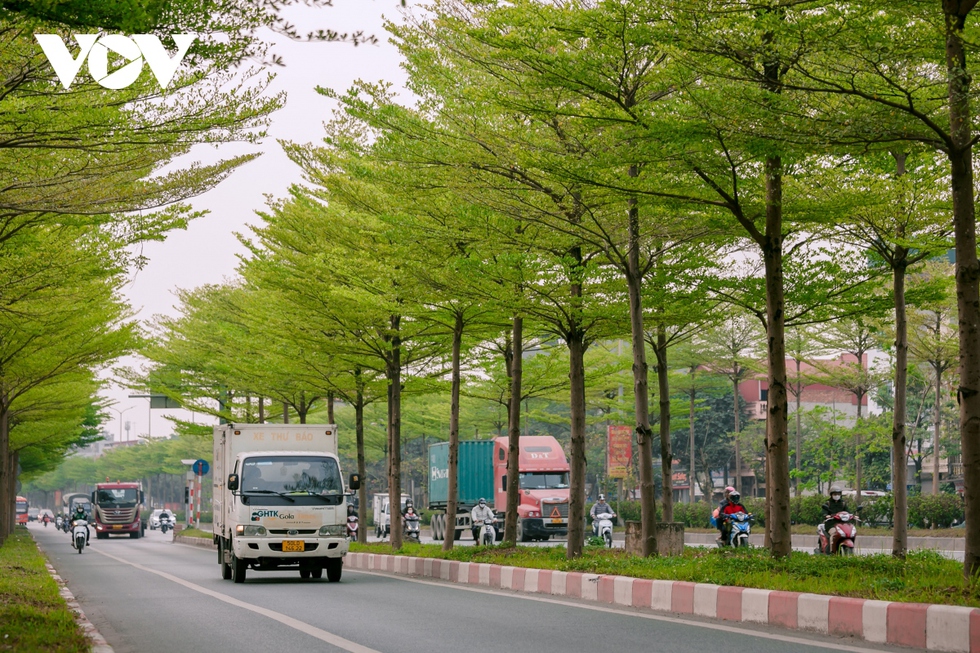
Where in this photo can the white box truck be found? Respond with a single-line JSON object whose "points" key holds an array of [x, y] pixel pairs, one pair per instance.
{"points": [[279, 499]]}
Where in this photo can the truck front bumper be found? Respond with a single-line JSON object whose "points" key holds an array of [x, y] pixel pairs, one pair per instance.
{"points": [[536, 527], [246, 548], [132, 527]]}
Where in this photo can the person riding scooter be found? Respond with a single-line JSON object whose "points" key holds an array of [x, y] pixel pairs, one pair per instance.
{"points": [[80, 515], [732, 505], [598, 508], [716, 514], [481, 511], [833, 506]]}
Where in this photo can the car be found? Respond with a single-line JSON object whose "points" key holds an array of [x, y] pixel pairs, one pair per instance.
{"points": [[155, 518], [32, 514], [45, 511]]}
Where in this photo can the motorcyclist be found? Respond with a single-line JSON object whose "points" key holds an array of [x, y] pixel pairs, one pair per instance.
{"points": [[599, 507], [719, 522], [80, 514], [481, 511], [833, 506], [350, 510], [733, 505]]}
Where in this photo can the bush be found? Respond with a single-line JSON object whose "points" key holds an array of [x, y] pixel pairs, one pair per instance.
{"points": [[807, 510], [941, 511]]}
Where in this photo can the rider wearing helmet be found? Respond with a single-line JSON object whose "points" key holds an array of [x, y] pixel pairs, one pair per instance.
{"points": [[733, 505], [80, 514], [833, 506], [598, 508], [718, 512], [481, 511]]}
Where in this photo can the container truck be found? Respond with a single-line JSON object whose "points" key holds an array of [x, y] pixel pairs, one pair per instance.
{"points": [[543, 507], [279, 500], [116, 509]]}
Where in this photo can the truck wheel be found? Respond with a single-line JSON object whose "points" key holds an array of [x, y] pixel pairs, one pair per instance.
{"points": [[238, 569], [521, 535], [438, 529], [135, 536], [316, 573], [225, 567], [102, 536], [304, 573], [335, 568]]}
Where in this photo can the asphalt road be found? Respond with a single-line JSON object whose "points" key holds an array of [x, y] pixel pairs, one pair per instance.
{"points": [[153, 596]]}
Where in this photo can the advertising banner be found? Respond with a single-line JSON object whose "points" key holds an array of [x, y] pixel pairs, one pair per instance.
{"points": [[619, 450]]}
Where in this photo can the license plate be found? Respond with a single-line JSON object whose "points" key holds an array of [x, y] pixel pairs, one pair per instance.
{"points": [[556, 521], [115, 526], [293, 546]]}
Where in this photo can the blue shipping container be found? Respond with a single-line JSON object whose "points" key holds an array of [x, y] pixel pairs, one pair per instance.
{"points": [[475, 473]]}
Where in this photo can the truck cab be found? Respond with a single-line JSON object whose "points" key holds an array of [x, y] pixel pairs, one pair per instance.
{"points": [[544, 492], [116, 509]]}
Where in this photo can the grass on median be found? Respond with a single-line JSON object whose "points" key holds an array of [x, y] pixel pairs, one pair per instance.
{"points": [[33, 616], [194, 532], [923, 577]]}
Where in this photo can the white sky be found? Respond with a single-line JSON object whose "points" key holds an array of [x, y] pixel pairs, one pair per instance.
{"points": [[206, 252]]}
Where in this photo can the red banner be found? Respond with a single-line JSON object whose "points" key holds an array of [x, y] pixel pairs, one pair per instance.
{"points": [[619, 450]]}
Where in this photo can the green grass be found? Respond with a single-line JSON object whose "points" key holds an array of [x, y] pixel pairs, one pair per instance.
{"points": [[194, 532], [924, 577], [33, 616]]}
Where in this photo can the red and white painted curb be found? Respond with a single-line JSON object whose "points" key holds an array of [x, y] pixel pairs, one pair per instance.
{"points": [[918, 625], [99, 645]]}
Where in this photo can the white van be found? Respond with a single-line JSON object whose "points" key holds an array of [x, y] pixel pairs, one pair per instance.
{"points": [[382, 514]]}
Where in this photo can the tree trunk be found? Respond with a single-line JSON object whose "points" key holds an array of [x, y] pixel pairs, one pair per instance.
{"points": [[6, 500], [330, 416], [361, 462], [261, 410], [453, 490], [738, 453], [641, 390], [514, 430], [666, 458], [285, 413], [576, 506], [394, 374], [937, 422], [799, 427], [303, 408], [777, 450], [857, 440], [690, 472]]}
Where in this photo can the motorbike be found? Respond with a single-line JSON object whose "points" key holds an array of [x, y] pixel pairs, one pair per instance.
{"points": [[66, 524], [79, 533], [604, 527], [839, 538], [351, 527], [488, 534], [739, 529], [57, 522], [165, 524], [411, 528]]}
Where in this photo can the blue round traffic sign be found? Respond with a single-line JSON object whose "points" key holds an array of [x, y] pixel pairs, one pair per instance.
{"points": [[201, 467]]}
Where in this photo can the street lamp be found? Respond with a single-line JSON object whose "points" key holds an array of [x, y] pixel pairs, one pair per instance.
{"points": [[120, 413]]}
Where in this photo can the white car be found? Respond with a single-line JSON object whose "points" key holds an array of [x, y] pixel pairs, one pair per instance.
{"points": [[155, 518]]}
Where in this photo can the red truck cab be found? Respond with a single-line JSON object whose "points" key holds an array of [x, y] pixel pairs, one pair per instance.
{"points": [[544, 494], [116, 509]]}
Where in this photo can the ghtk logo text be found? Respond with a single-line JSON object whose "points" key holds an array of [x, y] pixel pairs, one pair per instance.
{"points": [[134, 49]]}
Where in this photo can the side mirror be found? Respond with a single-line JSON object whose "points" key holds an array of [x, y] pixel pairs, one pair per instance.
{"points": [[233, 482], [142, 497], [93, 496], [354, 482]]}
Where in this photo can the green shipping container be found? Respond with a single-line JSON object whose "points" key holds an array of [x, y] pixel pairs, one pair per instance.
{"points": [[475, 473]]}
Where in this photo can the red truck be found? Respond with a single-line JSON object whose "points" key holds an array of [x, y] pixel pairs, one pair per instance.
{"points": [[116, 508], [543, 508], [22, 508]]}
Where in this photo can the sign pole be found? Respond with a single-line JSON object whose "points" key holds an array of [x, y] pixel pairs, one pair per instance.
{"points": [[198, 512]]}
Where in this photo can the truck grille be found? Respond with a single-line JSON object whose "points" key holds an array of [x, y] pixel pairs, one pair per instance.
{"points": [[548, 510], [118, 515], [286, 531]]}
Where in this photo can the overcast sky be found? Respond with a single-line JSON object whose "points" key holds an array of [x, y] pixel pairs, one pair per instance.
{"points": [[206, 252]]}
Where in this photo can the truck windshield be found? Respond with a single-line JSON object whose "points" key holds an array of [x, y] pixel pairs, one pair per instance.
{"points": [[544, 480], [295, 475], [21, 507], [124, 497]]}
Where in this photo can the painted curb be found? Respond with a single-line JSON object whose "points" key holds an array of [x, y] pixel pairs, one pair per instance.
{"points": [[954, 629], [99, 645], [201, 542]]}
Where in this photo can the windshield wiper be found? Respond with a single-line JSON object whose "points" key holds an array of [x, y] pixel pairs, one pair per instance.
{"points": [[281, 494]]}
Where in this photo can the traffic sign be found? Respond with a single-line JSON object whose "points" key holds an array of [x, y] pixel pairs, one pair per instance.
{"points": [[201, 467]]}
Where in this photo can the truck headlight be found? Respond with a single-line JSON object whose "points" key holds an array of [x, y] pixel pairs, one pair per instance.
{"points": [[250, 530], [337, 530]]}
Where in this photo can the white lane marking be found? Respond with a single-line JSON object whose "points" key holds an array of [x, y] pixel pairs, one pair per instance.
{"points": [[303, 627], [727, 626]]}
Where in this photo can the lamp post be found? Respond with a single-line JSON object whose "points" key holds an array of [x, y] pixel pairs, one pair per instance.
{"points": [[120, 413]]}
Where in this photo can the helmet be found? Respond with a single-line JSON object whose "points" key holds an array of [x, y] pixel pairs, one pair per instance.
{"points": [[729, 490], [602, 497], [835, 489], [734, 496], [482, 501], [408, 502]]}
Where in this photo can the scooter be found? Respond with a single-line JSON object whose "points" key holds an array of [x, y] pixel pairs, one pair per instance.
{"points": [[488, 534], [79, 534], [66, 524], [351, 527], [739, 529], [57, 522], [839, 538], [411, 529], [605, 527], [165, 524]]}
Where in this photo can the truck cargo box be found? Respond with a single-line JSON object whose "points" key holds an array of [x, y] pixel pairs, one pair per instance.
{"points": [[475, 472]]}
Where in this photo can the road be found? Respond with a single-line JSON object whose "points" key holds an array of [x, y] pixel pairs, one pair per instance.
{"points": [[153, 596]]}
